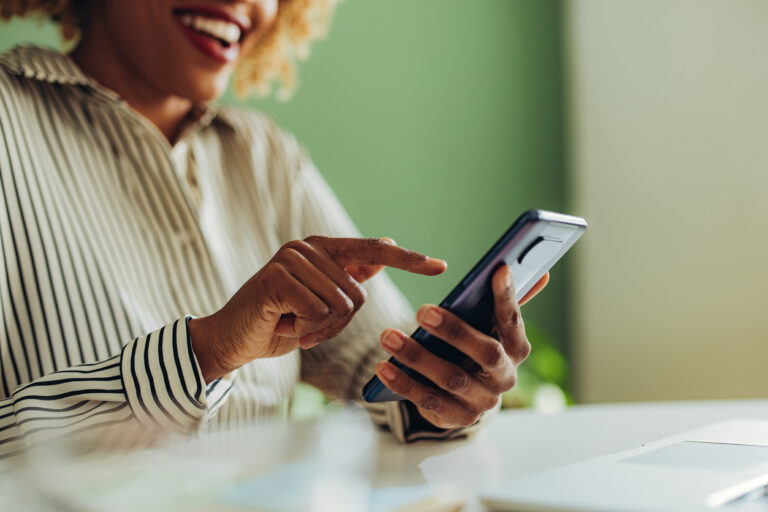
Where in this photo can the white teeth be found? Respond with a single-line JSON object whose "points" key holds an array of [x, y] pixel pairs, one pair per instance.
{"points": [[220, 29]]}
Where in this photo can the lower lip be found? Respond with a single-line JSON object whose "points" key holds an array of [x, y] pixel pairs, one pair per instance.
{"points": [[209, 46]]}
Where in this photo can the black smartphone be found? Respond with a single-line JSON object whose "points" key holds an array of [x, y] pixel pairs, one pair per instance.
{"points": [[531, 246]]}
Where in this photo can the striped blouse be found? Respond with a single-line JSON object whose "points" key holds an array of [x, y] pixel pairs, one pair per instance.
{"points": [[111, 239]]}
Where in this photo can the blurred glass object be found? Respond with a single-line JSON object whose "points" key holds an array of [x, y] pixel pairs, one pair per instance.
{"points": [[346, 458], [272, 465], [306, 403]]}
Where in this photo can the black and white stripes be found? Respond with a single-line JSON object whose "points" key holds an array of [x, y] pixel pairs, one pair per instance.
{"points": [[108, 233]]}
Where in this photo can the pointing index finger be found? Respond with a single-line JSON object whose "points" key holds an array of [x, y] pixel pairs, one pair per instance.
{"points": [[377, 251]]}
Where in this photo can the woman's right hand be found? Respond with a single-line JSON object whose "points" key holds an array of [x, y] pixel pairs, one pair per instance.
{"points": [[307, 293]]}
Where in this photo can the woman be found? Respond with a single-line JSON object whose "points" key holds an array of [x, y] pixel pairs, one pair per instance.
{"points": [[132, 205]]}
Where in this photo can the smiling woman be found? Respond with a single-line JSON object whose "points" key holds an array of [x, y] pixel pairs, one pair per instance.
{"points": [[167, 262]]}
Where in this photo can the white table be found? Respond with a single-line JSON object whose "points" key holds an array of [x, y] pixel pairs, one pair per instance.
{"points": [[512, 444], [520, 442]]}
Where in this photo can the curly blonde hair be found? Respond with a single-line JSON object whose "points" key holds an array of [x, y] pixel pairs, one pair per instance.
{"points": [[273, 60]]}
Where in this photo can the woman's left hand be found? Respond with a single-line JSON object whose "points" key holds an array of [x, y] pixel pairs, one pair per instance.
{"points": [[462, 396]]}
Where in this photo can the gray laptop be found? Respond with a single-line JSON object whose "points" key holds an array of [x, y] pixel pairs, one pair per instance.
{"points": [[721, 467]]}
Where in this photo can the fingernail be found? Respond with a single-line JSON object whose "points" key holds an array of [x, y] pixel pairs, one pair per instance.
{"points": [[387, 372], [392, 341], [509, 281], [432, 317], [437, 261]]}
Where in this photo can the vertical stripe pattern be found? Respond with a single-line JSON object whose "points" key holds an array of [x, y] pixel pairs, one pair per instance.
{"points": [[110, 239]]}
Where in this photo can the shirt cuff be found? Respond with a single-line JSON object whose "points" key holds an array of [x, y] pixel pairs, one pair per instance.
{"points": [[408, 426], [11, 442], [163, 382]]}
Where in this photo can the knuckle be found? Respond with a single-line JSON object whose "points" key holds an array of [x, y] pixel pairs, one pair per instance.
{"points": [[457, 381], [430, 402], [491, 403], [510, 382], [502, 384], [524, 351], [318, 313], [470, 419], [278, 271], [493, 355], [292, 245], [514, 318], [291, 256], [372, 248], [499, 387], [314, 240], [358, 296], [346, 306]]}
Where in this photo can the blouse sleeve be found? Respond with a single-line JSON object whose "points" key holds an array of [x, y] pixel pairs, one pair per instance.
{"points": [[153, 385]]}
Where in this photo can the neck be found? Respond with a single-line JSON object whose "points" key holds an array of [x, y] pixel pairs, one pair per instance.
{"points": [[99, 58]]}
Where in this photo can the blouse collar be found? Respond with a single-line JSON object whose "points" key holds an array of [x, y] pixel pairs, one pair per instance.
{"points": [[54, 67]]}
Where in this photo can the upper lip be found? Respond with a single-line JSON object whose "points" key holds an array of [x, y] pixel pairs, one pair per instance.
{"points": [[211, 11]]}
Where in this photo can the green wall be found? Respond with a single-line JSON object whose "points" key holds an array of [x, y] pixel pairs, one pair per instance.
{"points": [[436, 122]]}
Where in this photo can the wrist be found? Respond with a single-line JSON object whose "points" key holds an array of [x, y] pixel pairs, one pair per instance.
{"points": [[203, 336]]}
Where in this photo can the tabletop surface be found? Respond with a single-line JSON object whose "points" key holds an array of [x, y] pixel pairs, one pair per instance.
{"points": [[269, 463], [520, 442]]}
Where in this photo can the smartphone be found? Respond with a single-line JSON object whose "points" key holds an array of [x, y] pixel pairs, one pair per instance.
{"points": [[531, 246]]}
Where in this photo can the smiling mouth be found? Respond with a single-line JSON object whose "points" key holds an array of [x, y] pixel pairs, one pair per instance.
{"points": [[227, 33], [214, 32]]}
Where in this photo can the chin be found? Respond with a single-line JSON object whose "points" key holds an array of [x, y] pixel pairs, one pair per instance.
{"points": [[202, 88]]}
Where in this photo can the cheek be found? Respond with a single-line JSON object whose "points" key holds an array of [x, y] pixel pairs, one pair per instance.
{"points": [[138, 28], [140, 31], [152, 44]]}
